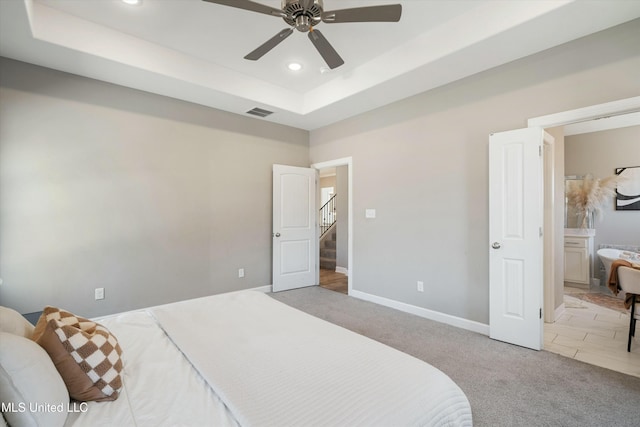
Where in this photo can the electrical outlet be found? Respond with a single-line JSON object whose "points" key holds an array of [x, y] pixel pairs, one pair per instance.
{"points": [[99, 293], [420, 286], [241, 272]]}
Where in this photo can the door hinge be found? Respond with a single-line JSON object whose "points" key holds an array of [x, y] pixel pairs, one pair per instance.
{"points": [[540, 231], [541, 313], [540, 150]]}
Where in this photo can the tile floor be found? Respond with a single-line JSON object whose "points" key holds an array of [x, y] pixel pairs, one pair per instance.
{"points": [[593, 334]]}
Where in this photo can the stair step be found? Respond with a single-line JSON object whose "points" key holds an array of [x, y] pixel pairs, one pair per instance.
{"points": [[328, 253], [329, 244], [328, 263]]}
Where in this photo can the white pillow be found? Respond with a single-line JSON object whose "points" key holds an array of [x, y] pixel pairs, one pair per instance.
{"points": [[14, 323], [28, 376]]}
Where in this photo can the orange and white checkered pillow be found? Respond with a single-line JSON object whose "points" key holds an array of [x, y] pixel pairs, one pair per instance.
{"points": [[86, 354]]}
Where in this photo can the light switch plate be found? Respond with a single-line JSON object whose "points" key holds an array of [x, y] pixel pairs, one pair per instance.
{"points": [[370, 213]]}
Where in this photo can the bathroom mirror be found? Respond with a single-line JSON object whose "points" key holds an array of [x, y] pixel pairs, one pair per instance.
{"points": [[571, 217]]}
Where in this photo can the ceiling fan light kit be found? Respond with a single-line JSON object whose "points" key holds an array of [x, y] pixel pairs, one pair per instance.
{"points": [[304, 15]]}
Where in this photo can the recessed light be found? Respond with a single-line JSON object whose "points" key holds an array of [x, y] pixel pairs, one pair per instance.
{"points": [[132, 2], [294, 66]]}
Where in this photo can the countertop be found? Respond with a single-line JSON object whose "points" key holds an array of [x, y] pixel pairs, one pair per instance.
{"points": [[579, 232]]}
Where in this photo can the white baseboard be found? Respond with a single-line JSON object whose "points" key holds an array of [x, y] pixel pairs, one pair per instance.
{"points": [[265, 289], [448, 319], [342, 270], [558, 312]]}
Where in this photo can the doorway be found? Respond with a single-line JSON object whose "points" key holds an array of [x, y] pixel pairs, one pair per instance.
{"points": [[553, 293], [550, 270], [337, 276], [574, 328]]}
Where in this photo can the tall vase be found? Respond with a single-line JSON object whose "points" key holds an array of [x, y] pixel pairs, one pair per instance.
{"points": [[587, 220]]}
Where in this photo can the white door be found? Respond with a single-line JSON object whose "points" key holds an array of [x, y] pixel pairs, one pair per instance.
{"points": [[515, 233], [294, 227]]}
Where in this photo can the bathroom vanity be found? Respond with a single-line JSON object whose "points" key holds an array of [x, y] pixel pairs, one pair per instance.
{"points": [[578, 256]]}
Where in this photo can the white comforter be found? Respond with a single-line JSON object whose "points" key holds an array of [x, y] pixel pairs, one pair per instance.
{"points": [[273, 365], [161, 387]]}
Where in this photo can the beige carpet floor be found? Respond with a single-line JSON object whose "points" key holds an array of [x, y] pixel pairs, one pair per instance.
{"points": [[506, 385]]}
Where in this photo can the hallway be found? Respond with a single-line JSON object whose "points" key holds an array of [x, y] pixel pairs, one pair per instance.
{"points": [[333, 281]]}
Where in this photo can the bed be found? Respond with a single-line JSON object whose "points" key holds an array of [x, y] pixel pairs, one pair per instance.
{"points": [[245, 359]]}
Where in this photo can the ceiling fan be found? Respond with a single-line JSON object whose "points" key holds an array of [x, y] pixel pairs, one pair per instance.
{"points": [[304, 15]]}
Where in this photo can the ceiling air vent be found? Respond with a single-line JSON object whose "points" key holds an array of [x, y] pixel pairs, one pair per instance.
{"points": [[259, 112]]}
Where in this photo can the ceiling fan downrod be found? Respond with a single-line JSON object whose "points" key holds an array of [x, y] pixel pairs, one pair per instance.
{"points": [[302, 14]]}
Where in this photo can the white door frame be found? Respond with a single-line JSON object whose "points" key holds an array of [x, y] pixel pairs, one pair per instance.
{"points": [[614, 108], [548, 226], [345, 161]]}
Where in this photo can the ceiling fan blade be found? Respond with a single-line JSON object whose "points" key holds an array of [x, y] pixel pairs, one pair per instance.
{"points": [[327, 51], [269, 44], [386, 13], [250, 6]]}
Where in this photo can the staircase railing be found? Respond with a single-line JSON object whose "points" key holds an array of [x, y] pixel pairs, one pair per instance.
{"points": [[327, 215]]}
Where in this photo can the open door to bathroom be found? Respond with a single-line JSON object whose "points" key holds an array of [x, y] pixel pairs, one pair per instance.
{"points": [[516, 224]]}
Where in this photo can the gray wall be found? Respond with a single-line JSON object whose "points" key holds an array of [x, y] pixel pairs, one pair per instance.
{"points": [[328, 181], [154, 199], [422, 163], [600, 153]]}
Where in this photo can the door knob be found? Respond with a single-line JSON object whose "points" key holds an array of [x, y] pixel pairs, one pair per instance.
{"points": [[495, 245], [276, 235]]}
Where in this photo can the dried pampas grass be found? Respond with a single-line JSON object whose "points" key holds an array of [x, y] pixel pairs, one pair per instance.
{"points": [[588, 197]]}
